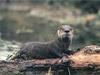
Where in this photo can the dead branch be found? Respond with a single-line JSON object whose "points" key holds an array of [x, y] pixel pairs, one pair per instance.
{"points": [[87, 57]]}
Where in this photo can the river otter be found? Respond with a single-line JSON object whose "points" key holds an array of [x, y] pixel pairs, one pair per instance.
{"points": [[53, 49]]}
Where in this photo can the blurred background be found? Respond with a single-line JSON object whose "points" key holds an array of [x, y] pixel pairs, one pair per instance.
{"points": [[37, 20]]}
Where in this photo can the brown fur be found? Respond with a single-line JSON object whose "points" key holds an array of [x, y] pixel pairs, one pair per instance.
{"points": [[54, 49]]}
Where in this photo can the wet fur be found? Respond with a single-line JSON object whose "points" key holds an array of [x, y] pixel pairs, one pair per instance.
{"points": [[41, 50]]}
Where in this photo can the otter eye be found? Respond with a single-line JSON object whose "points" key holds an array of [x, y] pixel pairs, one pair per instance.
{"points": [[70, 29]]}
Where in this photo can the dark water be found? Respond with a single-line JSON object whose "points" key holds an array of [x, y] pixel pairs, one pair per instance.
{"points": [[78, 72]]}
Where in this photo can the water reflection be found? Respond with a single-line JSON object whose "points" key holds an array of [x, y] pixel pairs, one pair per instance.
{"points": [[4, 54], [7, 47]]}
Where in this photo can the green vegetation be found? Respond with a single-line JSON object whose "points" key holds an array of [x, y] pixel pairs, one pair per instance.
{"points": [[40, 20]]}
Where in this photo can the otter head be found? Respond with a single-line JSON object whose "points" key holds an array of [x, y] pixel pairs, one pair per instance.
{"points": [[65, 31]]}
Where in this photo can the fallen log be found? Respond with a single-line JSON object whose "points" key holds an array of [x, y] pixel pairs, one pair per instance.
{"points": [[86, 58]]}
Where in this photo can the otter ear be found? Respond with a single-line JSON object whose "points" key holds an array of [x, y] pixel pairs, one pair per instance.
{"points": [[58, 28]]}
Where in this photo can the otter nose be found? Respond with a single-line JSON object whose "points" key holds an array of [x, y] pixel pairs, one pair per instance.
{"points": [[67, 31]]}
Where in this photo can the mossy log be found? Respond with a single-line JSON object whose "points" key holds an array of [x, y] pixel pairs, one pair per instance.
{"points": [[86, 58]]}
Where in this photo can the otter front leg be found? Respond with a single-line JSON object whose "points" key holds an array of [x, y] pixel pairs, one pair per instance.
{"points": [[57, 54], [69, 52]]}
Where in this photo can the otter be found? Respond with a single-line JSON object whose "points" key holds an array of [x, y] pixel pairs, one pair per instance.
{"points": [[53, 49]]}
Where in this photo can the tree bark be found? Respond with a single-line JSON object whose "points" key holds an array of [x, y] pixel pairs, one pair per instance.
{"points": [[86, 58]]}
